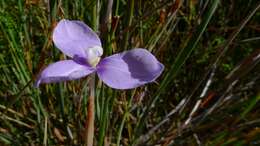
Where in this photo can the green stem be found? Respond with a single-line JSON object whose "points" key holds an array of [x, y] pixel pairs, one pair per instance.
{"points": [[96, 16], [119, 135], [129, 23], [126, 114]]}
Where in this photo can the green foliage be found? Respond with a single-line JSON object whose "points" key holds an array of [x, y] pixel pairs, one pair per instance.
{"points": [[206, 46]]}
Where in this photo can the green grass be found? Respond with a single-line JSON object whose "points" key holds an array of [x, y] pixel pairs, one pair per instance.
{"points": [[208, 93]]}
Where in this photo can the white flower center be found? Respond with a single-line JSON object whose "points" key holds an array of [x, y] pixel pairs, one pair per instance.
{"points": [[93, 55]]}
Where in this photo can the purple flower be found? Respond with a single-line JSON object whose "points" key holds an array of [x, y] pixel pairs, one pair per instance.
{"points": [[126, 70]]}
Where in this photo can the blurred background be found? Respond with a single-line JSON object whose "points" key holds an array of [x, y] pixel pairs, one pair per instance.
{"points": [[208, 93]]}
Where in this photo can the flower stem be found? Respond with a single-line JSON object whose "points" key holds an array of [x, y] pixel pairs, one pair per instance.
{"points": [[89, 135]]}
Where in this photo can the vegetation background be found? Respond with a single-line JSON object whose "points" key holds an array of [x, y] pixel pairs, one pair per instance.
{"points": [[208, 93]]}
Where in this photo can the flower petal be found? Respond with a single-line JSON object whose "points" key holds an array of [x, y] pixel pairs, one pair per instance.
{"points": [[62, 71], [129, 69], [73, 38]]}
